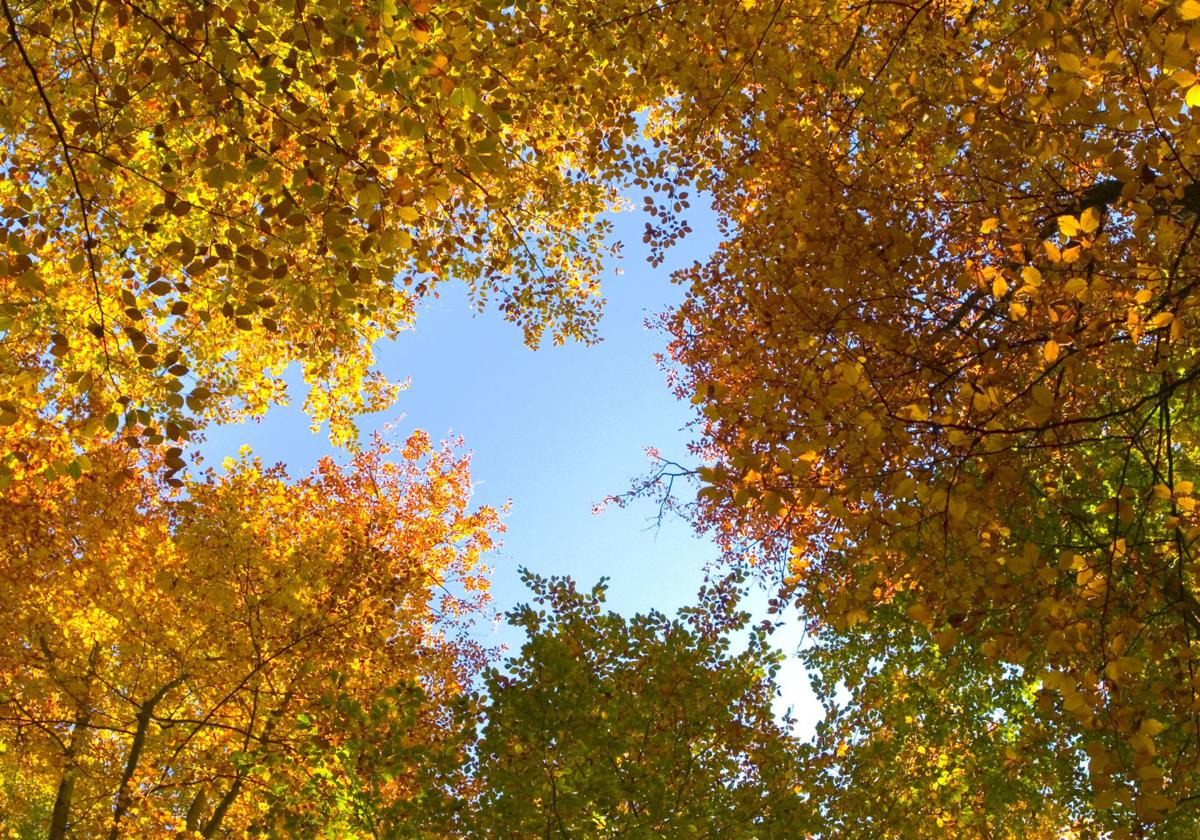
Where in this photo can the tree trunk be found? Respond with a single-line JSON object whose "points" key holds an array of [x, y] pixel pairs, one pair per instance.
{"points": [[145, 713], [60, 819]]}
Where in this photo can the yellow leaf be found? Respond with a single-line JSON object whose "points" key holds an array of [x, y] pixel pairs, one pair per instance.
{"points": [[1154, 801], [956, 507], [1151, 727], [1113, 671], [1074, 702], [919, 613], [1141, 743], [1189, 9], [989, 225], [1031, 276], [999, 286], [1069, 62], [1129, 664], [1068, 226], [1089, 220], [1050, 351], [946, 639], [1193, 96]]}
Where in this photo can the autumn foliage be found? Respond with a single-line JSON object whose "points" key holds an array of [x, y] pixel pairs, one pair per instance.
{"points": [[942, 362], [650, 727], [163, 646], [198, 195]]}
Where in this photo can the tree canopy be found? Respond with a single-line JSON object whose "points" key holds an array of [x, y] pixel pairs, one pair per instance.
{"points": [[942, 360], [163, 648], [198, 195], [644, 727]]}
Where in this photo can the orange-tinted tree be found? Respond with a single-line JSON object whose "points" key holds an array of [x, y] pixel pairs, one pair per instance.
{"points": [[165, 650], [944, 358]]}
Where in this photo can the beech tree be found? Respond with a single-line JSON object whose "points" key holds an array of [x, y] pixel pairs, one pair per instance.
{"points": [[200, 194], [164, 651], [646, 727], [944, 360]]}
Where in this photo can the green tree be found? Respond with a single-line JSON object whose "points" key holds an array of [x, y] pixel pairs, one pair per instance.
{"points": [[646, 727]]}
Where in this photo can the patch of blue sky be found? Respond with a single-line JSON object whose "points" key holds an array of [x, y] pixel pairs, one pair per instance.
{"points": [[552, 431]]}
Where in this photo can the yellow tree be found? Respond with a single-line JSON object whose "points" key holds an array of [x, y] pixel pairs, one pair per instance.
{"points": [[195, 196], [198, 194], [164, 650]]}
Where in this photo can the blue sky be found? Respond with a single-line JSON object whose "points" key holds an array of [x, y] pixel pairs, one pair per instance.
{"points": [[552, 431]]}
